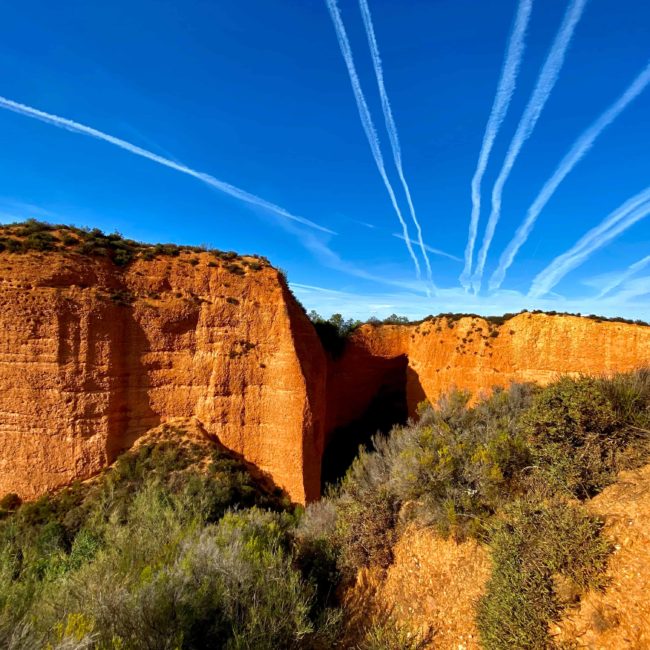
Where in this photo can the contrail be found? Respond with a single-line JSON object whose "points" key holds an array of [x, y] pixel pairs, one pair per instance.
{"points": [[236, 192], [580, 147], [435, 251], [366, 120], [505, 89], [390, 123], [613, 225], [629, 272], [545, 83]]}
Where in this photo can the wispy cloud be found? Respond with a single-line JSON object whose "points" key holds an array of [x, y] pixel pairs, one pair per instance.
{"points": [[12, 210], [580, 147], [329, 258], [505, 90], [435, 251], [366, 120], [390, 123], [624, 276], [631, 290], [545, 83], [613, 225], [222, 186]]}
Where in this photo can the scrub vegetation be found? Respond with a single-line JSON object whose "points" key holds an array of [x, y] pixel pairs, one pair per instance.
{"points": [[178, 545], [38, 236]]}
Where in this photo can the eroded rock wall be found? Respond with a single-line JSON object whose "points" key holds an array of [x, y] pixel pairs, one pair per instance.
{"points": [[473, 354], [92, 356]]}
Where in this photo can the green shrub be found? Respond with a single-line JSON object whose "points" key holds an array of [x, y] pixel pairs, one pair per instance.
{"points": [[367, 516], [333, 332], [544, 552], [229, 585], [629, 395], [569, 410], [579, 430], [10, 502]]}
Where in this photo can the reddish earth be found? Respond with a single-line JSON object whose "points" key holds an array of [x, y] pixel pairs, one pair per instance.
{"points": [[618, 616], [430, 589], [93, 355]]}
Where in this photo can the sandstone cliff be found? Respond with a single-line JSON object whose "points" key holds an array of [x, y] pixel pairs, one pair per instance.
{"points": [[97, 349], [475, 354], [92, 355]]}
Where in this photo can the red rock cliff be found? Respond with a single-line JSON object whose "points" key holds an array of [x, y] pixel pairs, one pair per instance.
{"points": [[92, 356], [473, 354]]}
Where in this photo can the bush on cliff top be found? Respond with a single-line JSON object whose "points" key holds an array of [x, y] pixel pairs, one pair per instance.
{"points": [[33, 235]]}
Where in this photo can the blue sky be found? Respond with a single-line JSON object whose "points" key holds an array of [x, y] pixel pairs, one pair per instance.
{"points": [[257, 94]]}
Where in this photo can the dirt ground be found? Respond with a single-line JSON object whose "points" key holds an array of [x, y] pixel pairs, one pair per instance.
{"points": [[431, 587], [619, 617]]}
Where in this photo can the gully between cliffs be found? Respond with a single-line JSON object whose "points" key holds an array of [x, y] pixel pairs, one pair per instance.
{"points": [[363, 401], [385, 371]]}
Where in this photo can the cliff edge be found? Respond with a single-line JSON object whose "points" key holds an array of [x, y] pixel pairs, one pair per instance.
{"points": [[94, 353]]}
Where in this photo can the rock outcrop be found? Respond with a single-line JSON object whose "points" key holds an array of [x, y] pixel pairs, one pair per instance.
{"points": [[93, 354], [474, 354]]}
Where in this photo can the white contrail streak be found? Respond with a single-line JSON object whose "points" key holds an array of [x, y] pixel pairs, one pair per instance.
{"points": [[390, 123], [580, 147], [629, 272], [236, 192], [613, 225], [505, 90], [435, 251], [366, 119], [545, 83]]}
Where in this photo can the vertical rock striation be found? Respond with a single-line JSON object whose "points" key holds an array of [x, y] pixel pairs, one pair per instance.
{"points": [[92, 356]]}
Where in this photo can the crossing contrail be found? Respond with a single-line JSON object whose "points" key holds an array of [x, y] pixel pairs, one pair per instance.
{"points": [[545, 83], [430, 249], [629, 272], [580, 147], [366, 120], [390, 123], [222, 186], [613, 225], [505, 89]]}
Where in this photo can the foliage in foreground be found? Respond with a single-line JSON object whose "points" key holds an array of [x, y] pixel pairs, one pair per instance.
{"points": [[179, 547], [159, 553], [511, 472]]}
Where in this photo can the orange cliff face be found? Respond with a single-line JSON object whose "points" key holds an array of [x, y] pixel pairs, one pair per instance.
{"points": [[92, 356], [473, 354]]}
